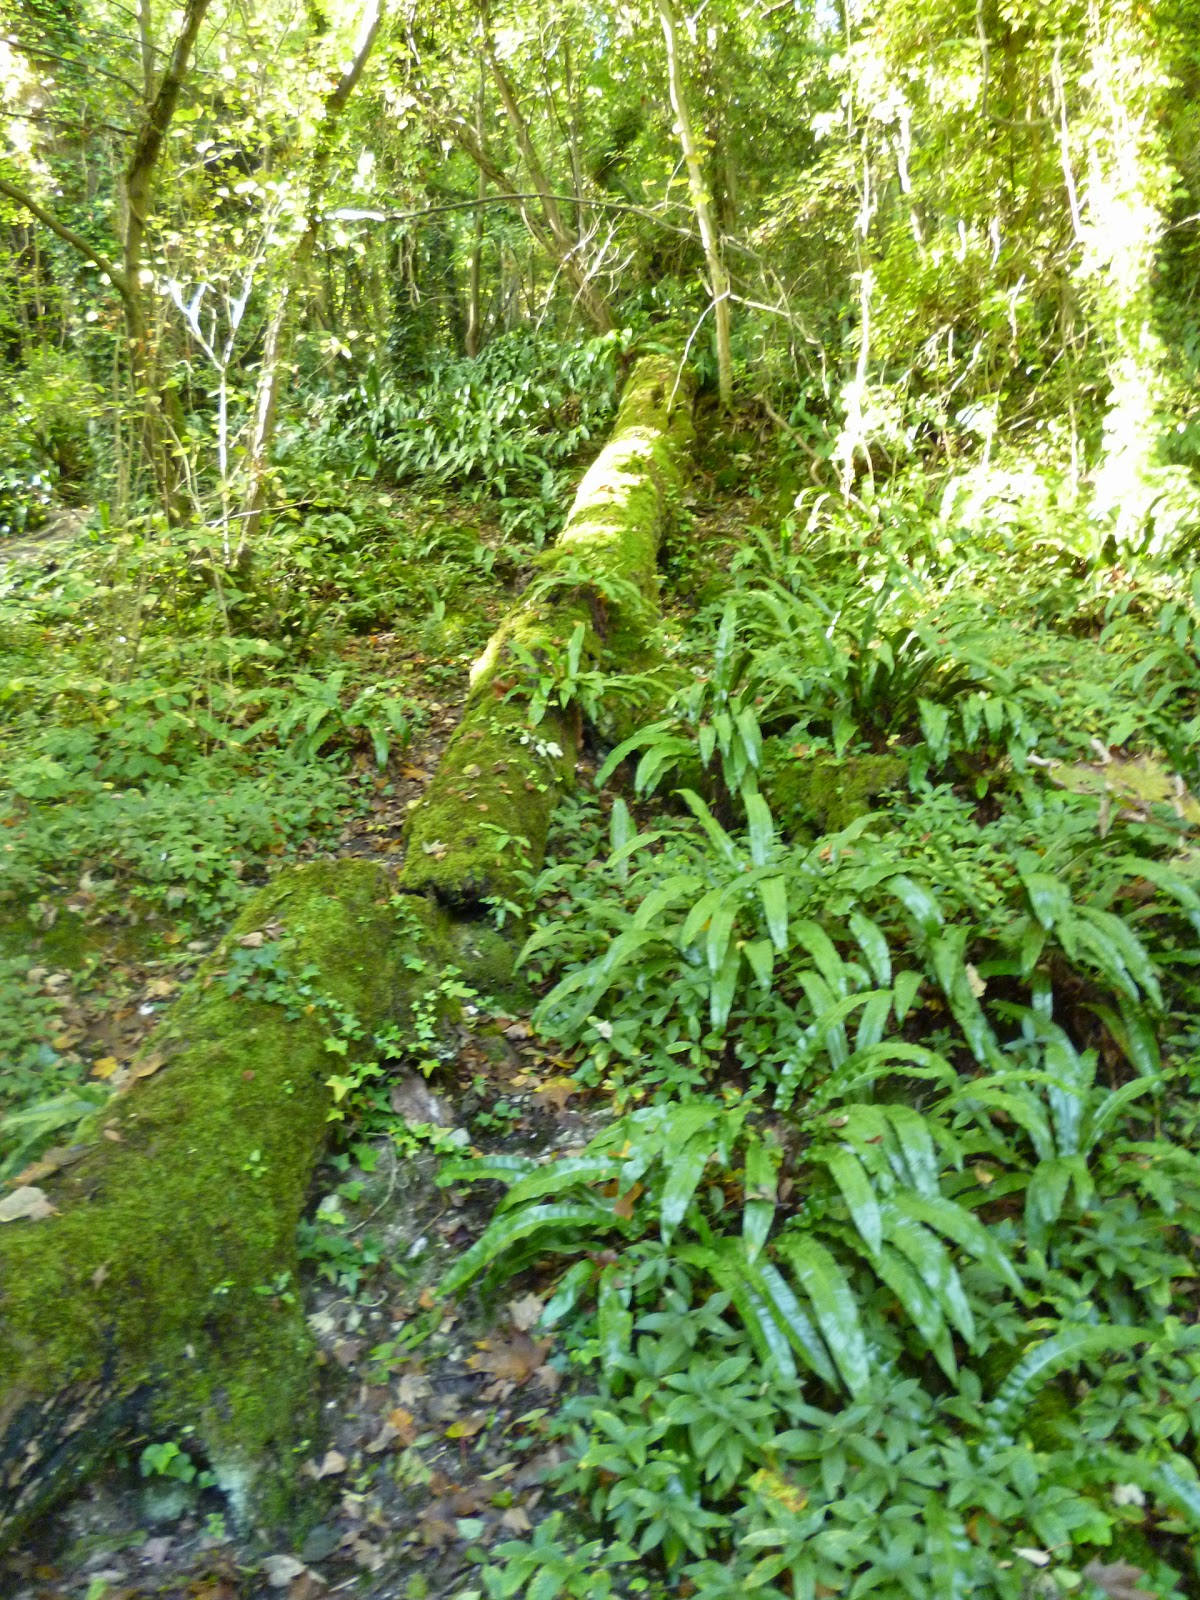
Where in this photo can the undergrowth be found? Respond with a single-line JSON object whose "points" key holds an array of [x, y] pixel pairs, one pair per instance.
{"points": [[883, 1278]]}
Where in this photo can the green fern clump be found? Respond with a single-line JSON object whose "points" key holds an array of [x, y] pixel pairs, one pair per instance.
{"points": [[882, 1280]]}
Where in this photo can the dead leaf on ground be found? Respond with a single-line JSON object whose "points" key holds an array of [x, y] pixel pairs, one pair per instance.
{"points": [[333, 1462], [513, 1360], [160, 988], [516, 1520], [414, 774], [105, 1067], [308, 1586], [467, 1427], [26, 1204], [524, 1313], [557, 1091], [50, 1162], [1118, 1579], [280, 1570]]}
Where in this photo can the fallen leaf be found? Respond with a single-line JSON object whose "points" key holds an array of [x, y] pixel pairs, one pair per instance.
{"points": [[160, 988], [512, 1360], [1039, 1558], [516, 1520], [414, 774], [26, 1204], [624, 1204], [1118, 1579], [557, 1091], [524, 1313], [307, 1586], [404, 1423], [473, 771], [98, 1278], [253, 941], [467, 1427], [146, 1066], [280, 1570], [975, 983], [105, 1067], [332, 1463]]}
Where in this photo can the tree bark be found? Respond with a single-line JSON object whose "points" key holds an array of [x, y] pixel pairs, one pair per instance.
{"points": [[701, 204], [280, 321]]}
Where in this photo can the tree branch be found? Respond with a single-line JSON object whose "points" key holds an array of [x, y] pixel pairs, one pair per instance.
{"points": [[68, 235]]}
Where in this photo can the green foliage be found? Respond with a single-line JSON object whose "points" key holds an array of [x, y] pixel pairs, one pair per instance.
{"points": [[883, 1275], [508, 425]]}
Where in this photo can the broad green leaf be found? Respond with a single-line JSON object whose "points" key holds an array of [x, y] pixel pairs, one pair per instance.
{"points": [[930, 1260], [685, 1169], [759, 1210], [820, 947], [512, 1227], [1050, 899], [614, 1320], [851, 1178], [792, 1318], [918, 902], [958, 1224], [832, 1300], [760, 953], [721, 996], [773, 894], [874, 947], [567, 1172], [761, 829]]}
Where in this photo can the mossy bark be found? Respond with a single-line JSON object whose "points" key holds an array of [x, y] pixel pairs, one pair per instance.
{"points": [[487, 811], [154, 1283], [161, 1295]]}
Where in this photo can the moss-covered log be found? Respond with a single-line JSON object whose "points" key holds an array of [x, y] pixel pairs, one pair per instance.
{"points": [[161, 1293], [488, 808]]}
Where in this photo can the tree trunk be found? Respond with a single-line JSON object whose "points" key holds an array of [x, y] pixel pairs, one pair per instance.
{"points": [[490, 801], [158, 1295], [701, 204], [278, 338], [474, 308]]}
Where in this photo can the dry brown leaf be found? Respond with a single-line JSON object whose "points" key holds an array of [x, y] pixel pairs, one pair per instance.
{"points": [[333, 1463], [1118, 1579], [280, 1570], [253, 941], [160, 988], [105, 1067], [524, 1313], [557, 1091], [26, 1204], [513, 1360], [516, 1520], [100, 1274], [404, 1423]]}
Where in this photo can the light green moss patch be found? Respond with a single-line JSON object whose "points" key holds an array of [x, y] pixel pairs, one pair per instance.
{"points": [[500, 778], [823, 792]]}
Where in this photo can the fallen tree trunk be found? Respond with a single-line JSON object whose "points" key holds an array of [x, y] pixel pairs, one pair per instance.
{"points": [[488, 809], [160, 1296]]}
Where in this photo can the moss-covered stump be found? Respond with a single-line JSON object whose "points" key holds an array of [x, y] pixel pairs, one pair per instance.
{"points": [[487, 811], [161, 1292]]}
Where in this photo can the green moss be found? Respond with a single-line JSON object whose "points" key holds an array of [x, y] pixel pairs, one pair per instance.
{"points": [[487, 812], [157, 1272], [823, 791], [492, 787]]}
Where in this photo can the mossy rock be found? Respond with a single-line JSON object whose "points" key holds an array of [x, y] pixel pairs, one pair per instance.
{"points": [[824, 791]]}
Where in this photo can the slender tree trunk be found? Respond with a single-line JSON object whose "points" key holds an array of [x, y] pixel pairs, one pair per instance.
{"points": [[474, 313], [701, 204], [278, 338]]}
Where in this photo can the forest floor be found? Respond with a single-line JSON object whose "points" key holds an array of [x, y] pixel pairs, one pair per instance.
{"points": [[437, 1442]]}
